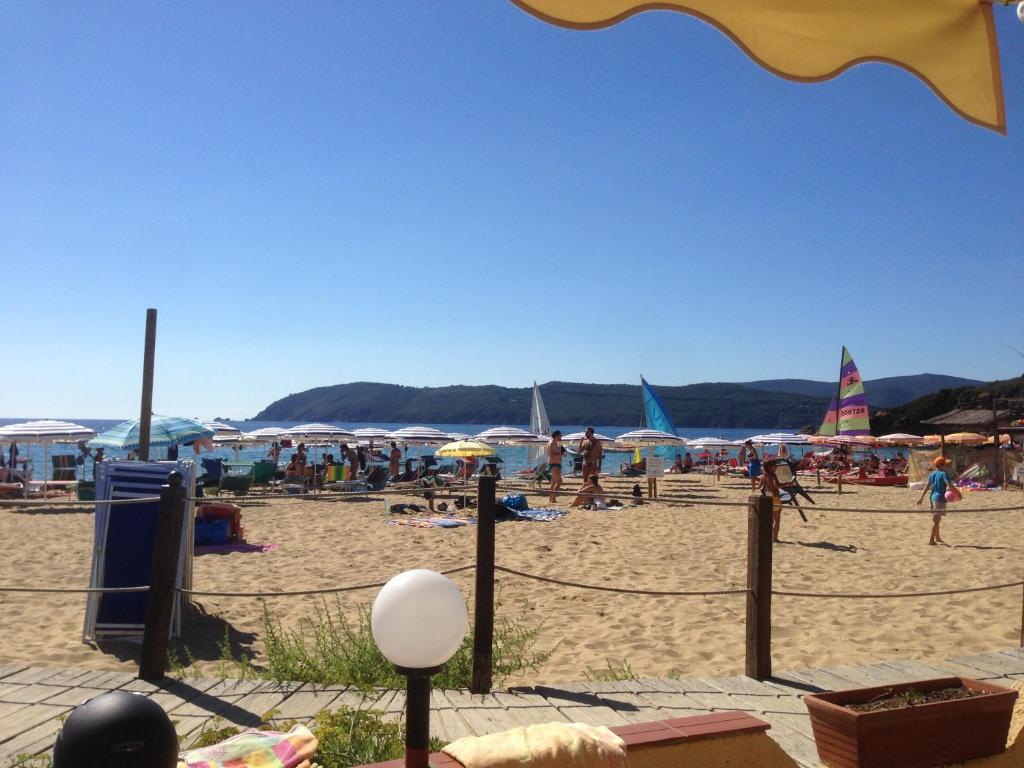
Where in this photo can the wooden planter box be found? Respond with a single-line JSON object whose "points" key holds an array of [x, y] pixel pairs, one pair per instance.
{"points": [[913, 737]]}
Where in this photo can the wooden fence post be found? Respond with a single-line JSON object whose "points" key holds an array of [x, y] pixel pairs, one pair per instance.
{"points": [[759, 587], [146, 411], [483, 620], [162, 580]]}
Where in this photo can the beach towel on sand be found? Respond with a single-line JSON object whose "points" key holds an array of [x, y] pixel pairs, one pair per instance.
{"points": [[549, 745], [256, 749]]}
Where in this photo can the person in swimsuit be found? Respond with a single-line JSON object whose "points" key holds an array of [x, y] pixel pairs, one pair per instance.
{"points": [[591, 494], [554, 453], [592, 451], [938, 482], [753, 464], [393, 459]]}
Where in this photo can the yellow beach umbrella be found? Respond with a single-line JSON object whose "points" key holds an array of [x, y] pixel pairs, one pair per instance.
{"points": [[950, 45], [464, 449]]}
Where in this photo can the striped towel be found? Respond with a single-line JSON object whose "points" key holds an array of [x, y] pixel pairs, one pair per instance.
{"points": [[265, 749]]}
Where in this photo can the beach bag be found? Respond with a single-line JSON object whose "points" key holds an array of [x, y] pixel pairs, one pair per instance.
{"points": [[516, 501]]}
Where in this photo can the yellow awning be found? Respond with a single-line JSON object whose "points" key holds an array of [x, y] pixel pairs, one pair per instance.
{"points": [[949, 44]]}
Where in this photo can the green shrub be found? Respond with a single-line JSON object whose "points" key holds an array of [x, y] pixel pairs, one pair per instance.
{"points": [[336, 650], [612, 671]]}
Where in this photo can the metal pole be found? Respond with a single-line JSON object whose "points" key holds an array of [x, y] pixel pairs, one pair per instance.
{"points": [[146, 412], [417, 721]]}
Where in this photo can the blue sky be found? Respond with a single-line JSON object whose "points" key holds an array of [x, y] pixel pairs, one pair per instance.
{"points": [[438, 193]]}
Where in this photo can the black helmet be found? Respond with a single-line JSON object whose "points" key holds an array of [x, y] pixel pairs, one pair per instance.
{"points": [[117, 730]]}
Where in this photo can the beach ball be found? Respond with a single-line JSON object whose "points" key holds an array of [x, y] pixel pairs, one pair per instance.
{"points": [[952, 496]]}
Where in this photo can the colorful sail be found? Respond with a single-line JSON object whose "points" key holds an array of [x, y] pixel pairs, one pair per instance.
{"points": [[828, 426], [655, 415], [539, 425], [853, 402]]}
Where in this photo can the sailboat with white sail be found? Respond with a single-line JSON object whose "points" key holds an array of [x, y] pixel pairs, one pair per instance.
{"points": [[539, 425]]}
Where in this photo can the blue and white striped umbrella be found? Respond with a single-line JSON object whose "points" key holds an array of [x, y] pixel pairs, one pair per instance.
{"points": [[163, 431], [325, 433]]}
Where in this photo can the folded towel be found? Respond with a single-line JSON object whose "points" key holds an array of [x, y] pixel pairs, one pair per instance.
{"points": [[252, 749], [550, 745]]}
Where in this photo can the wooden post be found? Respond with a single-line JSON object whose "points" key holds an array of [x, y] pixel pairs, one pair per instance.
{"points": [[819, 477], [1022, 621], [759, 587], [839, 483], [483, 620], [162, 580], [146, 411]]}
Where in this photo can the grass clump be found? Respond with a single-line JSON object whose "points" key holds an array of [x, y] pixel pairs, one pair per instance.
{"points": [[612, 671], [333, 649]]}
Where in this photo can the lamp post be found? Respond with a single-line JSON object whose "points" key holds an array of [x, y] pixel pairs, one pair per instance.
{"points": [[418, 621]]}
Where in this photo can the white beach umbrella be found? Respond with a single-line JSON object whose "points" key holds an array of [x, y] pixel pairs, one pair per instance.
{"points": [[220, 429], [709, 442], [507, 435], [45, 432], [419, 436], [643, 438], [265, 435], [318, 433], [780, 438], [900, 438], [371, 433], [574, 436]]}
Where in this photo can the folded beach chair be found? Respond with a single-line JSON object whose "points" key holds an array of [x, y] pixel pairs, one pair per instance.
{"points": [[785, 473]]}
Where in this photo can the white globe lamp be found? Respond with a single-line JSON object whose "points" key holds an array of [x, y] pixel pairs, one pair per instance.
{"points": [[418, 621]]}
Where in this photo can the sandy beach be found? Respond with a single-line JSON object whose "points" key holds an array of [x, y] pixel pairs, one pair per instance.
{"points": [[324, 541]]}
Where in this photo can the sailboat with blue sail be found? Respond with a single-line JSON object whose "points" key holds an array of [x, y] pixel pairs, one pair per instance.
{"points": [[656, 416]]}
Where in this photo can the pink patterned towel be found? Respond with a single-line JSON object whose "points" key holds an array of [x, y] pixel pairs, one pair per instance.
{"points": [[252, 749]]}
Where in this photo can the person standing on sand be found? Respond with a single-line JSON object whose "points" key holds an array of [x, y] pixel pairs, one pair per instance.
{"points": [[592, 451], [274, 454], [770, 485], [554, 453], [753, 464], [393, 460], [938, 482]]}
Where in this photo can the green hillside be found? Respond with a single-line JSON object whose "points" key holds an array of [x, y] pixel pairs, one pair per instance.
{"points": [[882, 393], [908, 417], [694, 405]]}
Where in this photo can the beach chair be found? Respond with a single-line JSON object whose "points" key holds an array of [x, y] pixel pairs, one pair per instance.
{"points": [[263, 472], [212, 469], [65, 468], [785, 473]]}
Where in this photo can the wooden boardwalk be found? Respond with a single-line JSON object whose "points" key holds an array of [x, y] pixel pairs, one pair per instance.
{"points": [[33, 700]]}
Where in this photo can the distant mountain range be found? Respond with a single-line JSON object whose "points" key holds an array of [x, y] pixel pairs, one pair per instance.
{"points": [[882, 393], [908, 417], [783, 403]]}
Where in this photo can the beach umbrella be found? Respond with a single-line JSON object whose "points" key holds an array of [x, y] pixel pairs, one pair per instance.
{"points": [[419, 436], [464, 449], [648, 437], [317, 432], [949, 45], [965, 438], [509, 435], [318, 435], [850, 441], [163, 431], [709, 442], [264, 435], [575, 436], [782, 438], [45, 432], [371, 433], [220, 429], [900, 438]]}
